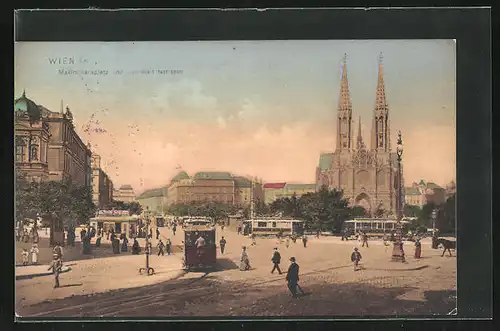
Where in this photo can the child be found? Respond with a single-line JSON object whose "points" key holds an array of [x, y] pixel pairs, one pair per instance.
{"points": [[356, 257], [25, 256], [56, 266], [287, 242], [34, 254]]}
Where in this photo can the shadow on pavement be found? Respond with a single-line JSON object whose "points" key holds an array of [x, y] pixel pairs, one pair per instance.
{"points": [[205, 296], [225, 264], [71, 285]]}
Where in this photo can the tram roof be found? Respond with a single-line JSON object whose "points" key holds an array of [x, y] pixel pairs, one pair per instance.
{"points": [[271, 219], [198, 228], [375, 220]]}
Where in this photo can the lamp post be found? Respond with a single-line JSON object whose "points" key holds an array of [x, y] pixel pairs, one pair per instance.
{"points": [[397, 252], [433, 215], [148, 270]]}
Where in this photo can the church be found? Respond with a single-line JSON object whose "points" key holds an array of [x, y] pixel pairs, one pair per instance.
{"points": [[366, 175]]}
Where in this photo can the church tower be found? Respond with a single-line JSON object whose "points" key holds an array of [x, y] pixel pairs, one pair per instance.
{"points": [[344, 113], [380, 140]]}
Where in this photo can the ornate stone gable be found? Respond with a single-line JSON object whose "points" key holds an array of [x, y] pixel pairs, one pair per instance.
{"points": [[362, 159]]}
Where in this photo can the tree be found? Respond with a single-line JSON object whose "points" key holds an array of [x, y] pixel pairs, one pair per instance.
{"points": [[411, 211], [358, 211], [26, 202], [445, 221]]}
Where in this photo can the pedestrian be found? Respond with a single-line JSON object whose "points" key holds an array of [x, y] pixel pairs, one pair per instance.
{"points": [[174, 228], [365, 239], [98, 240], [294, 238], [287, 242], [150, 233], [26, 236], [82, 234], [58, 251], [222, 244], [161, 245], [355, 258], [34, 254], [125, 243], [18, 235], [244, 260], [222, 227], [304, 241], [276, 259], [386, 243], [200, 245], [402, 252], [317, 234], [418, 249], [157, 234], [239, 229], [252, 237], [168, 245], [25, 256], [292, 277], [56, 266], [135, 247]]}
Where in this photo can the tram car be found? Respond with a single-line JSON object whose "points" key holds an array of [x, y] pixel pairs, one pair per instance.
{"points": [[205, 257]]}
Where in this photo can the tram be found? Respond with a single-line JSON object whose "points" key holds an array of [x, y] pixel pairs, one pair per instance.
{"points": [[373, 227], [194, 257], [272, 226]]}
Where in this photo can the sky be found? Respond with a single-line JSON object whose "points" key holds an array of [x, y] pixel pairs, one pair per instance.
{"points": [[254, 108]]}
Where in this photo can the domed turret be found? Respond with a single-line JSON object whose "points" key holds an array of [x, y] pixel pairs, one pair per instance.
{"points": [[27, 106]]}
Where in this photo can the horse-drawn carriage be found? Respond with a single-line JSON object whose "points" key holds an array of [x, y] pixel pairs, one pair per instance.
{"points": [[197, 256]]}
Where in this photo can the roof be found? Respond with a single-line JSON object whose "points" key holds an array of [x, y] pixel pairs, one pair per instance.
{"points": [[300, 186], [132, 218], [241, 181], [325, 161], [214, 175], [421, 182], [181, 175], [153, 193], [126, 187], [412, 191], [274, 185], [24, 104], [433, 185]]}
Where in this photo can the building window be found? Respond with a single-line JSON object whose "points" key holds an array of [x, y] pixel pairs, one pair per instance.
{"points": [[34, 153], [20, 149]]}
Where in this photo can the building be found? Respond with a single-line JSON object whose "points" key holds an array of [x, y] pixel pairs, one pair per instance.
{"points": [[450, 189], [47, 145], [423, 193], [102, 186], [215, 186], [273, 191], [366, 175], [155, 200], [125, 193]]}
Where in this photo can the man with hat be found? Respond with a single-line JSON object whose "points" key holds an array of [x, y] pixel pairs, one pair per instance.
{"points": [[276, 259], [355, 258], [56, 266], [292, 277]]}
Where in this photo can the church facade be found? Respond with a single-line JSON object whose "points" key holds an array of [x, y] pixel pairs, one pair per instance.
{"points": [[367, 175]]}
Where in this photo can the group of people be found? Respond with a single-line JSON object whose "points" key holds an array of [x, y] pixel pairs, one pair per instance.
{"points": [[33, 253]]}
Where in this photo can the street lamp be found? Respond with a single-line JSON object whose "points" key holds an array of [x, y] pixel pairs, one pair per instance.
{"points": [[148, 270], [433, 215], [397, 252]]}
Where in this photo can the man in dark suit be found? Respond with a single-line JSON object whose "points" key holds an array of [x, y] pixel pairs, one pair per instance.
{"points": [[292, 277], [276, 259]]}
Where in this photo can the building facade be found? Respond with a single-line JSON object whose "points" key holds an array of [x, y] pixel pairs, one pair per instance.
{"points": [[221, 187], [125, 193], [49, 148], [450, 189], [366, 175], [102, 186], [423, 193], [154, 200], [273, 191]]}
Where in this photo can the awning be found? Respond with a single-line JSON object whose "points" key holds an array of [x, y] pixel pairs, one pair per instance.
{"points": [[116, 219]]}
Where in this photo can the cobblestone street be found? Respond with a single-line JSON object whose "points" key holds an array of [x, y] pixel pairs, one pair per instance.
{"points": [[112, 287]]}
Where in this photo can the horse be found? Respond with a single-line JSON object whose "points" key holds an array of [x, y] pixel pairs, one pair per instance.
{"points": [[447, 244]]}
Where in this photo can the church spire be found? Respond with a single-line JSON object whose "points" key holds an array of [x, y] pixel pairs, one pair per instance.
{"points": [[24, 93], [360, 143], [344, 111], [61, 110], [380, 140]]}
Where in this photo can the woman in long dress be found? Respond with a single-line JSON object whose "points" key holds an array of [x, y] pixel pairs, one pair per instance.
{"points": [[418, 249], [34, 254], [244, 261]]}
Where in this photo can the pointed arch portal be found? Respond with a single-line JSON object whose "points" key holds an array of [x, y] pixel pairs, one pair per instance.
{"points": [[363, 200]]}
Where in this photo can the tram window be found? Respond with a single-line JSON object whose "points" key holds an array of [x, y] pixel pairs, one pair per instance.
{"points": [[261, 224], [274, 224]]}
